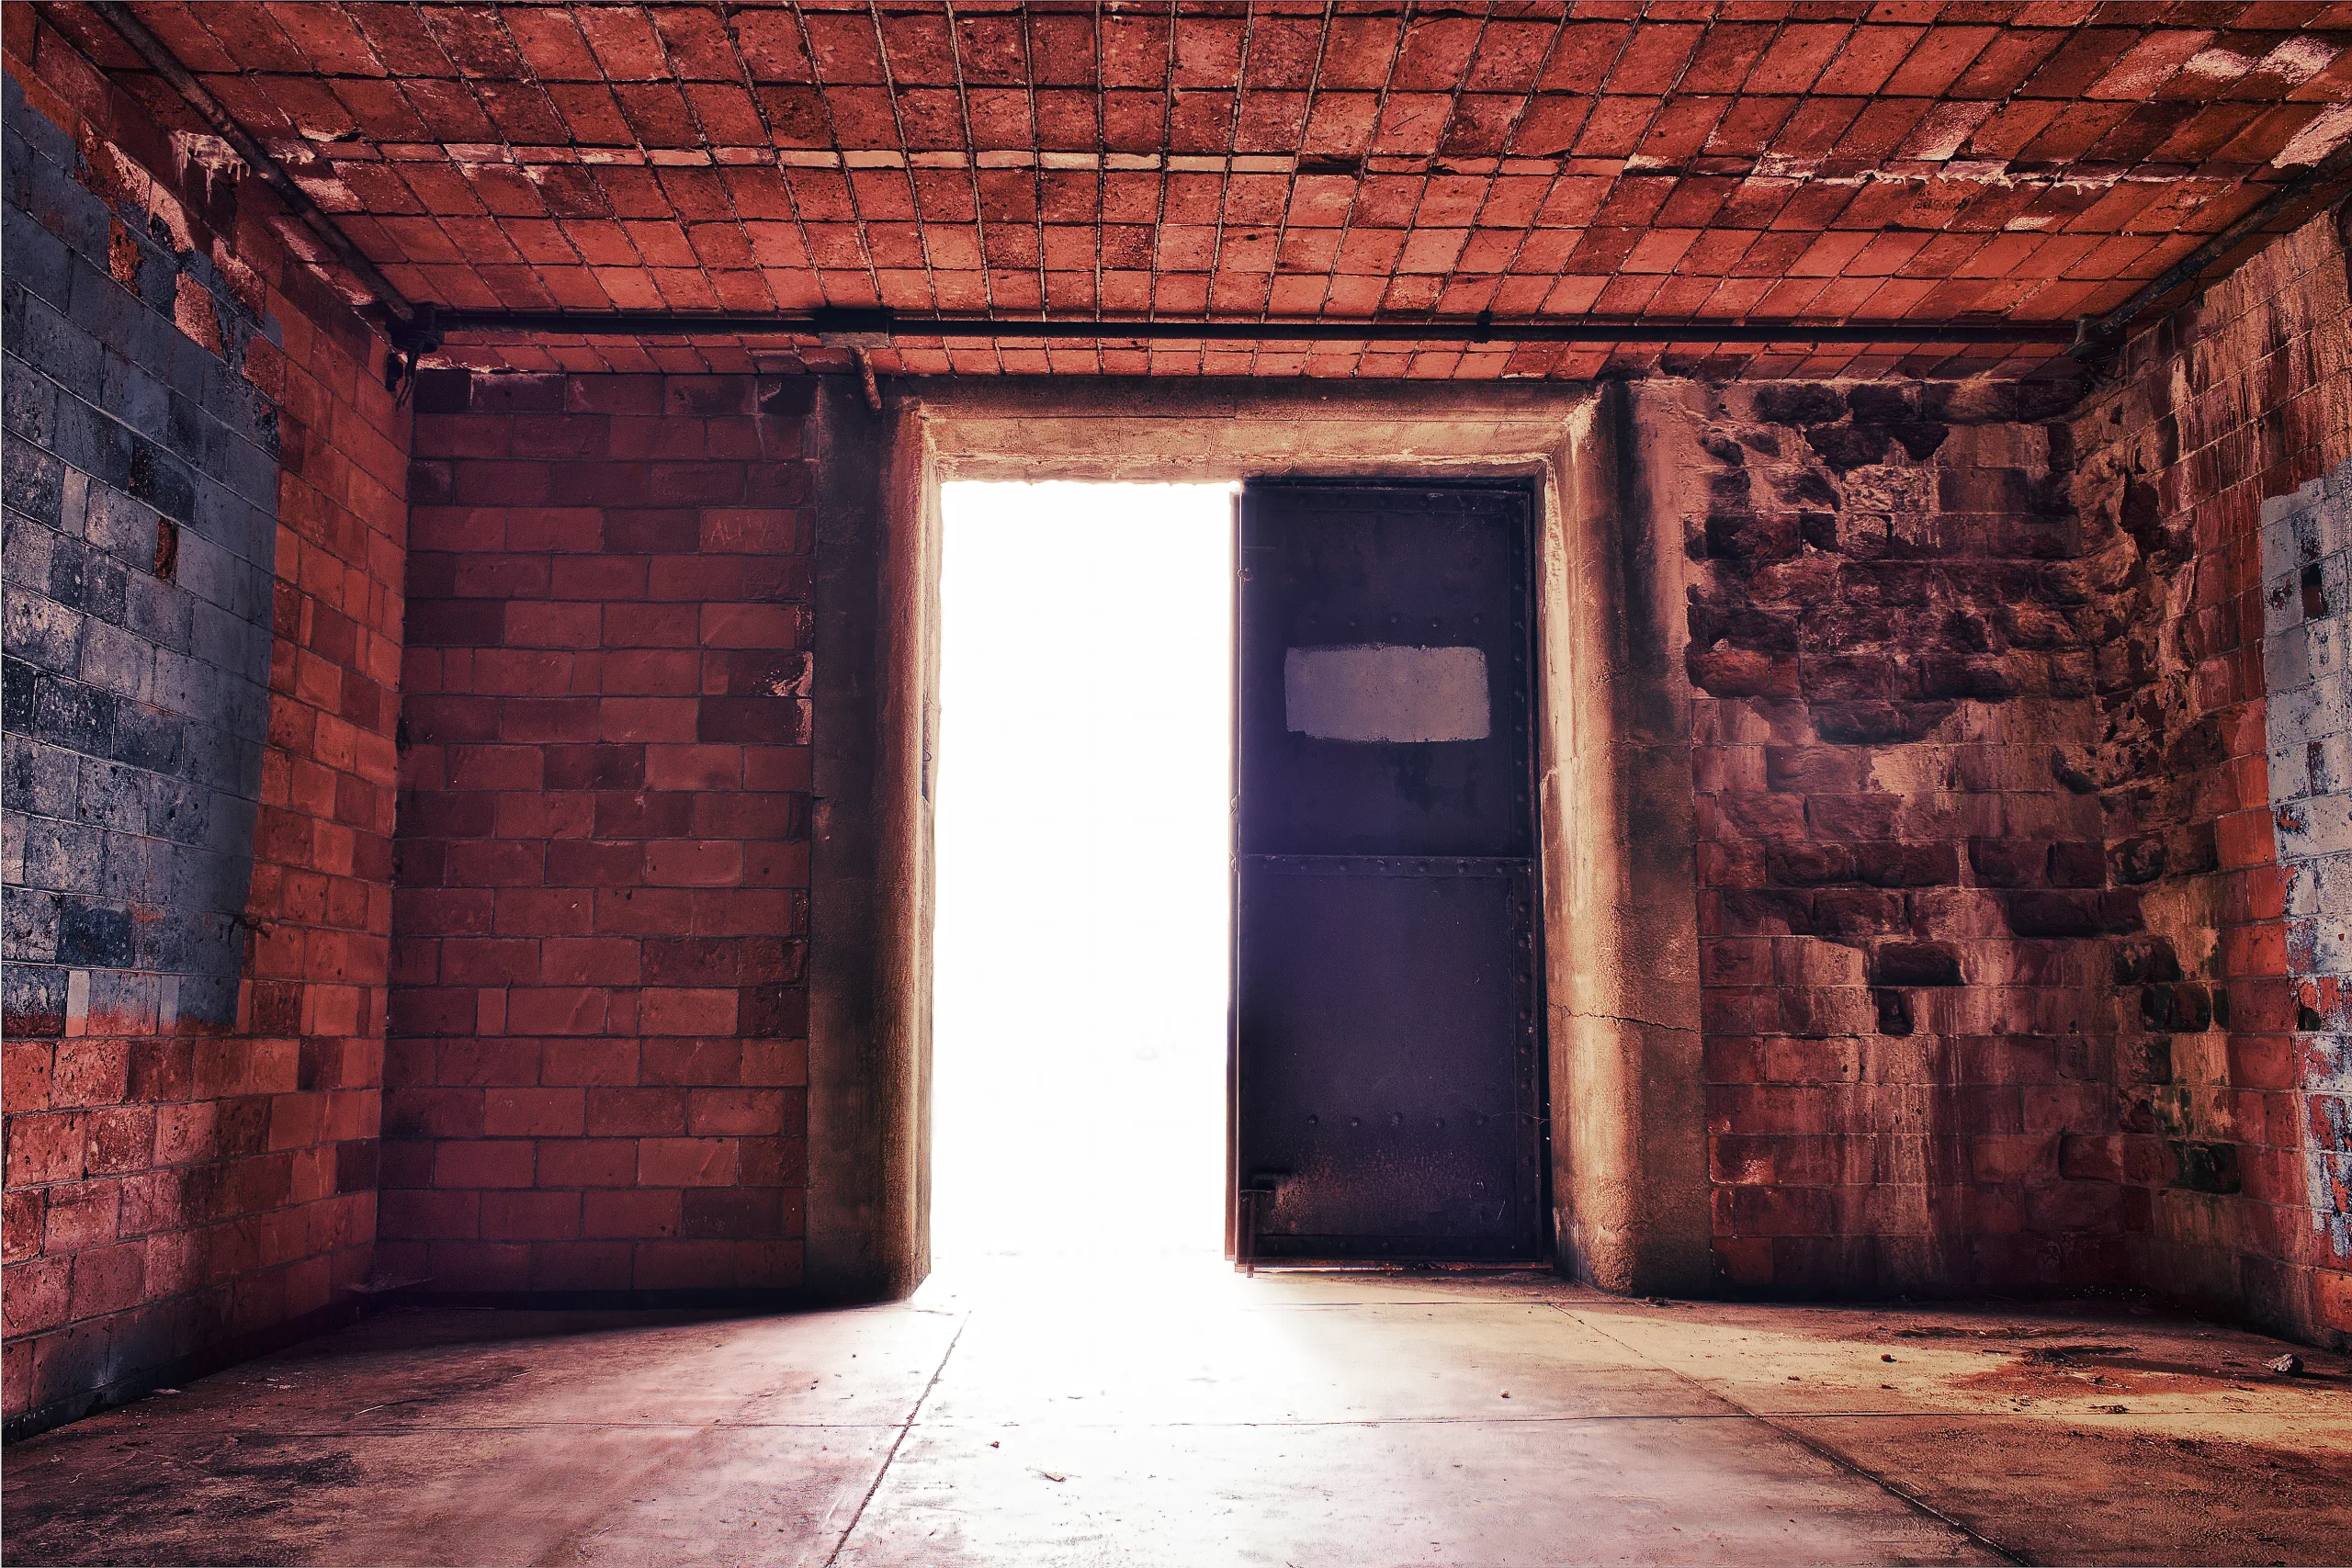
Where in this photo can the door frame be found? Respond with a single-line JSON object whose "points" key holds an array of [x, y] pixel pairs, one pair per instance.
{"points": [[1617, 854]]}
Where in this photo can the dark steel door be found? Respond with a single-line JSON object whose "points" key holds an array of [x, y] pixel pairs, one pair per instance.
{"points": [[1387, 1041]]}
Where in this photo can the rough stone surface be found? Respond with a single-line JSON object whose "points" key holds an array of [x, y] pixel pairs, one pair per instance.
{"points": [[1903, 903]]}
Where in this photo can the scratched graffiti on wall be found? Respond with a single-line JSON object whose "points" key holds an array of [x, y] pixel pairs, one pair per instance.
{"points": [[2307, 582]]}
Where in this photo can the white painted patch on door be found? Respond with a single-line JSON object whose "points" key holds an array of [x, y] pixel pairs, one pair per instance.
{"points": [[1378, 691]]}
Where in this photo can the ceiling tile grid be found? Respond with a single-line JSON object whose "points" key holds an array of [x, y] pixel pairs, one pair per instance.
{"points": [[1817, 163]]}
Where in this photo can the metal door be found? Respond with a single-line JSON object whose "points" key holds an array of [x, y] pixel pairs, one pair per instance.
{"points": [[1387, 1071]]}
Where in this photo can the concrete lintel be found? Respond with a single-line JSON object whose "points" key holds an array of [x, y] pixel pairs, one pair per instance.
{"points": [[951, 403]]}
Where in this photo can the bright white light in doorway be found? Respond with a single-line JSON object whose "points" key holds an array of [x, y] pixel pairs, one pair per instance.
{"points": [[1081, 792]]}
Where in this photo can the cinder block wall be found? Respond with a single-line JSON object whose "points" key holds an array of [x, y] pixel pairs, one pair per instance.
{"points": [[2206, 469], [2307, 615], [599, 1037], [204, 529]]}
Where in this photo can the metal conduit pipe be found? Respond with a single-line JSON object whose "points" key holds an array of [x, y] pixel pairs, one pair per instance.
{"points": [[2106, 334], [879, 329]]}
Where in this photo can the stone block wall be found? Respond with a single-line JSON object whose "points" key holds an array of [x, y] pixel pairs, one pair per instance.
{"points": [[2206, 467], [204, 524], [1904, 909], [600, 1022]]}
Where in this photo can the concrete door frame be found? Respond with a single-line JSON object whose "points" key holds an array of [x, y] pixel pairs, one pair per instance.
{"points": [[1629, 1177]]}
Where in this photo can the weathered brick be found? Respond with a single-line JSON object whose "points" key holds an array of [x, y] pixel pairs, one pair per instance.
{"points": [[680, 721], [188, 598]]}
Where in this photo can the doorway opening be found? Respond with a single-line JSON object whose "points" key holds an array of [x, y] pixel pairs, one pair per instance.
{"points": [[1081, 966]]}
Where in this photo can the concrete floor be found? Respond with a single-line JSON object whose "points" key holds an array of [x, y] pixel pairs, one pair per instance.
{"points": [[1182, 1415]]}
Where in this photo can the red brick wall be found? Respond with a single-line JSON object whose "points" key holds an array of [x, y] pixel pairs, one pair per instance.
{"points": [[2015, 949], [321, 904], [2228, 1070], [174, 1193], [1903, 901], [599, 1018]]}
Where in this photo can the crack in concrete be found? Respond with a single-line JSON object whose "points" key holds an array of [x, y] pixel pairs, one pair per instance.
{"points": [[1621, 1018], [904, 1428], [1737, 1413], [1818, 1448]]}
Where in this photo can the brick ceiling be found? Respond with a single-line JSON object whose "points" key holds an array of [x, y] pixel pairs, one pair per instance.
{"points": [[1822, 163]]}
